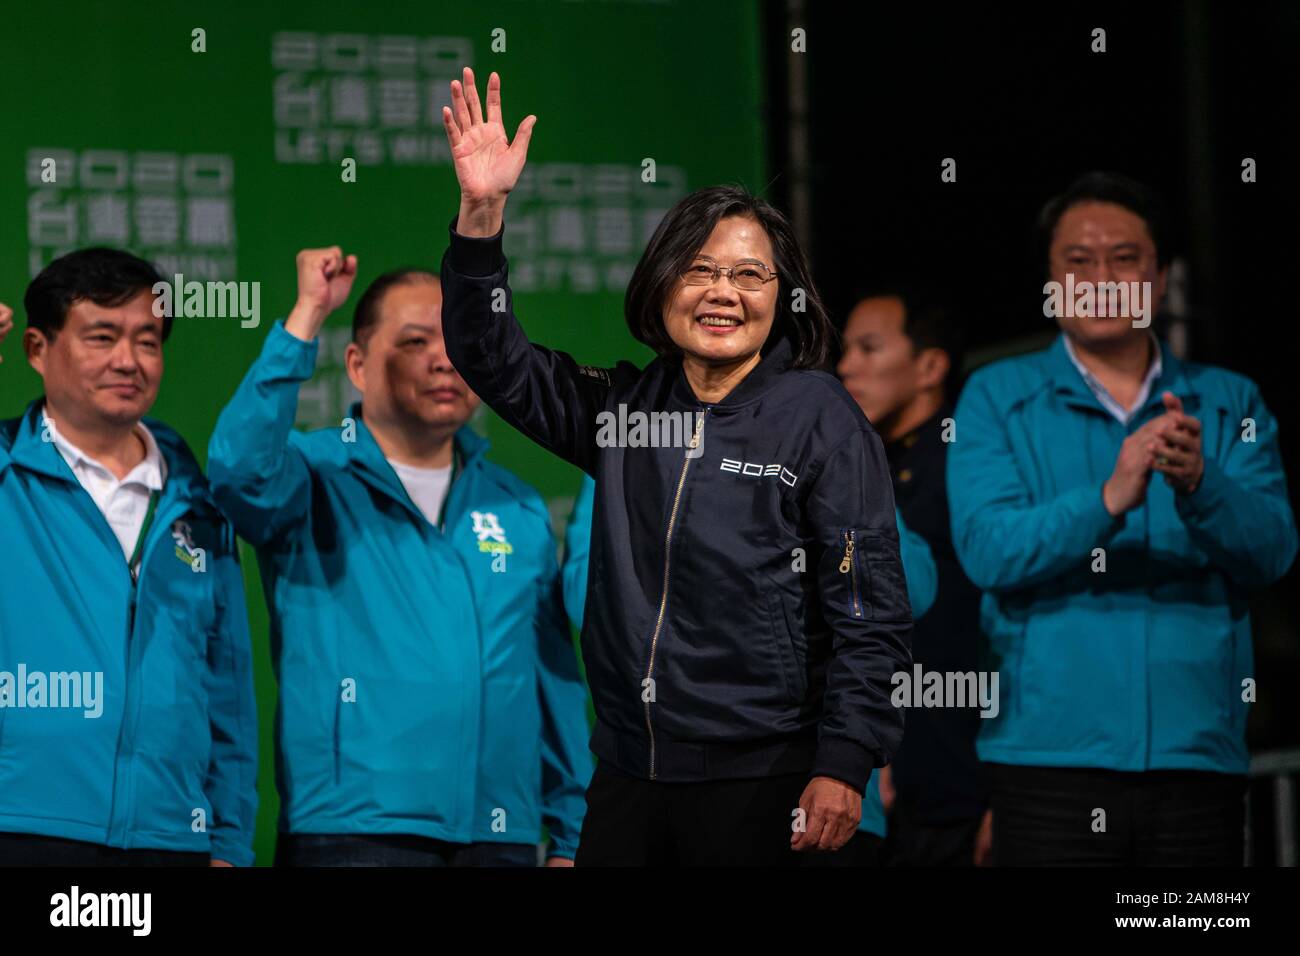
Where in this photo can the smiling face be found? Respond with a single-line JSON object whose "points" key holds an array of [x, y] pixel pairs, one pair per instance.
{"points": [[1104, 242], [402, 371], [103, 368], [718, 324]]}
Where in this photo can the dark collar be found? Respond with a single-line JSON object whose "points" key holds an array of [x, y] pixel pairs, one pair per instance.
{"points": [[924, 434], [777, 358]]}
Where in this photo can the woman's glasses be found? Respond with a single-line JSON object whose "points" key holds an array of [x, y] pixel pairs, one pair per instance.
{"points": [[749, 275]]}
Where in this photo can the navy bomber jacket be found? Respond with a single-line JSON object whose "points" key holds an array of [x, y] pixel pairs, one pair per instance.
{"points": [[746, 605]]}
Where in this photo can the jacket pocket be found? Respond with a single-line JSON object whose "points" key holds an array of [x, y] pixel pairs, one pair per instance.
{"points": [[887, 585], [783, 637], [855, 581], [338, 738], [1236, 706], [873, 568], [1079, 680]]}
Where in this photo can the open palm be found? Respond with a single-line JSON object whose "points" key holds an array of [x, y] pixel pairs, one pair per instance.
{"points": [[487, 166]]}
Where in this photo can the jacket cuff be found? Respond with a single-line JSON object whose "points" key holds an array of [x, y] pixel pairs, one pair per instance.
{"points": [[230, 850], [561, 848], [845, 760], [1207, 495], [1107, 523], [472, 256]]}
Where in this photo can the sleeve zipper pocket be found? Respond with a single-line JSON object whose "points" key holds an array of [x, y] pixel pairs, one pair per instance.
{"points": [[846, 567]]}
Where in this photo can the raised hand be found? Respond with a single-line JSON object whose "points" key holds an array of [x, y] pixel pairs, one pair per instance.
{"points": [[1126, 488], [6, 322], [487, 166], [1178, 454], [325, 278]]}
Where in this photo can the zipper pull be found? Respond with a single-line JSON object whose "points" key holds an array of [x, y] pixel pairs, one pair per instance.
{"points": [[847, 563], [699, 427]]}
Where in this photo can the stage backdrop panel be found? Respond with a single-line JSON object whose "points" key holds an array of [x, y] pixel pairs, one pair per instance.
{"points": [[222, 164]]}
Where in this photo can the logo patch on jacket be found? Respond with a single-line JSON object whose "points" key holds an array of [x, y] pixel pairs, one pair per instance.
{"points": [[183, 535], [491, 536], [599, 374], [751, 470]]}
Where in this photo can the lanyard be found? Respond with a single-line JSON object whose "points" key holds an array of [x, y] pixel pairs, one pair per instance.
{"points": [[138, 554]]}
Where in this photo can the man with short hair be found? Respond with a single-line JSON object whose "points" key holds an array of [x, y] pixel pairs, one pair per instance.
{"points": [[901, 350], [431, 708], [1117, 505], [128, 727]]}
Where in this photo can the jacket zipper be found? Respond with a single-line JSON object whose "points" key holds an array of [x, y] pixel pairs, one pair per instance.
{"points": [[663, 600], [459, 468], [132, 606], [846, 567]]}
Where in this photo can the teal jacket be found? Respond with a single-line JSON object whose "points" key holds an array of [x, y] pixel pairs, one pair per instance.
{"points": [[428, 680], [165, 757], [1140, 666], [918, 566]]}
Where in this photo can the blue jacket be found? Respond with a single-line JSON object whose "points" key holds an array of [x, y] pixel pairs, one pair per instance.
{"points": [[922, 586], [1139, 667], [918, 565], [428, 680], [170, 762]]}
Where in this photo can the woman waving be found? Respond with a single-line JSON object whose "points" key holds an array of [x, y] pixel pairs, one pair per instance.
{"points": [[747, 605]]}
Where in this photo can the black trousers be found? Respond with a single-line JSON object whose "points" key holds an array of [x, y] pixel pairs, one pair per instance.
{"points": [[912, 841], [25, 849], [635, 822], [863, 849], [357, 849], [1067, 816]]}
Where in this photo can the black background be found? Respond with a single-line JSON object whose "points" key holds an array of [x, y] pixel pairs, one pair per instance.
{"points": [[1183, 93]]}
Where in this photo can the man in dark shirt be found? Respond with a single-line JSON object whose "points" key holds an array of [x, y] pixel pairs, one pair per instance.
{"points": [[898, 353]]}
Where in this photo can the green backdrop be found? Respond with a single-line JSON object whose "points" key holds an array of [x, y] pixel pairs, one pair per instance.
{"points": [[222, 164]]}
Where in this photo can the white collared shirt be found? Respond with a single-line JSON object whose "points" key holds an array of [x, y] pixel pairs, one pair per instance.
{"points": [[123, 503], [1121, 414]]}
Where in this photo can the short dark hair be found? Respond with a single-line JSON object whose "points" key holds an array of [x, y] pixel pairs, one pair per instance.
{"points": [[683, 231], [1138, 198], [366, 315], [107, 277], [928, 320]]}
